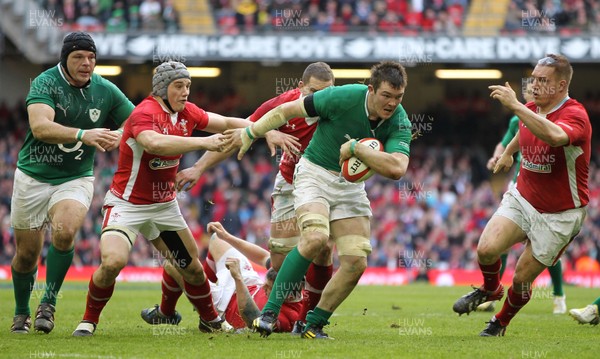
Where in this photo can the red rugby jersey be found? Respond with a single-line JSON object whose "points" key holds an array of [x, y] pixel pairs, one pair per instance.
{"points": [[144, 178]]}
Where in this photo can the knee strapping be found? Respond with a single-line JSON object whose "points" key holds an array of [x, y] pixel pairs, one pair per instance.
{"points": [[313, 222], [125, 233], [353, 245], [283, 245], [180, 254]]}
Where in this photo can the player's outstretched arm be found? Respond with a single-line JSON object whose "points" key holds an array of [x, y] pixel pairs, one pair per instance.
{"points": [[43, 128], [273, 119], [288, 143], [187, 178], [541, 127], [219, 123], [251, 251], [167, 145], [246, 305]]}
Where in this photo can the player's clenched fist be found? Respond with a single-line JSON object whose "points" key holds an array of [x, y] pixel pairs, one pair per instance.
{"points": [[233, 264]]}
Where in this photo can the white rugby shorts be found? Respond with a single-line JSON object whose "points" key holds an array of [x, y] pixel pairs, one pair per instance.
{"points": [[549, 233], [147, 219], [343, 199], [282, 200], [31, 199]]}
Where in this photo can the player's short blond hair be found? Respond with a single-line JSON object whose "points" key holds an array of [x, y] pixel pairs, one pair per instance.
{"points": [[562, 66]]}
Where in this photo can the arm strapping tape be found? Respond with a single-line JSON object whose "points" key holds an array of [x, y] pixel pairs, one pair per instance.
{"points": [[271, 120]]}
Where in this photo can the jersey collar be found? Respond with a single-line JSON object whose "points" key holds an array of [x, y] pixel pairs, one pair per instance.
{"points": [[173, 116], [366, 100], [557, 106]]}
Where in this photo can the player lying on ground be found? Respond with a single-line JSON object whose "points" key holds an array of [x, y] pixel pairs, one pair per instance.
{"points": [[238, 292]]}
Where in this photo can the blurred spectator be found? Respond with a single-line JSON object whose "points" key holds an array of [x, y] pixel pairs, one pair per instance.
{"points": [[389, 23], [246, 13], [444, 25], [69, 11], [594, 25], [104, 10], [150, 14], [170, 16], [87, 21], [117, 22], [135, 21], [55, 8]]}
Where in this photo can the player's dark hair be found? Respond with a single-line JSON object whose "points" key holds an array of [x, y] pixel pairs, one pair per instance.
{"points": [[320, 71], [561, 66], [271, 274], [388, 71]]}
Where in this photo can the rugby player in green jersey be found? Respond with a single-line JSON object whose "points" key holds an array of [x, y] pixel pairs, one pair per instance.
{"points": [[327, 206], [68, 107]]}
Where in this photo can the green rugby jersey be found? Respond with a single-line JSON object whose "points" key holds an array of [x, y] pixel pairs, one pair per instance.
{"points": [[513, 128], [85, 108], [343, 115]]}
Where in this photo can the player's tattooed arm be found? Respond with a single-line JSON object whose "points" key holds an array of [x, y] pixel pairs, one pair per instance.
{"points": [[246, 305], [248, 309]]}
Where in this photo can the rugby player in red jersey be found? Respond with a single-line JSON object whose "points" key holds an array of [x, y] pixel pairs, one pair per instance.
{"points": [[547, 206], [142, 197]]}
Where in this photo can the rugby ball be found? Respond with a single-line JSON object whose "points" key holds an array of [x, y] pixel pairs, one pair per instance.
{"points": [[354, 170]]}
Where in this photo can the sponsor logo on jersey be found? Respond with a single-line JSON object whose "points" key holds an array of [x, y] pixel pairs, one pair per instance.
{"points": [[159, 164], [94, 114], [536, 167]]}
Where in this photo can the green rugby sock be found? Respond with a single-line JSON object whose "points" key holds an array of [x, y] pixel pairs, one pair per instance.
{"points": [[318, 317], [597, 302], [57, 266], [22, 287], [503, 258], [289, 280], [556, 275]]}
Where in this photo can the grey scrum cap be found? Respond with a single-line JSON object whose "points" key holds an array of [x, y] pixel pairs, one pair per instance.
{"points": [[166, 73]]}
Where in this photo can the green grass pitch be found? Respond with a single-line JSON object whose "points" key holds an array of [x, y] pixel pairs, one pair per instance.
{"points": [[412, 321]]}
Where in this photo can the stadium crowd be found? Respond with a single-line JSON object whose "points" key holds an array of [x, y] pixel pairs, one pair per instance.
{"points": [[380, 16], [569, 17], [435, 213], [114, 15], [400, 17], [386, 16]]}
